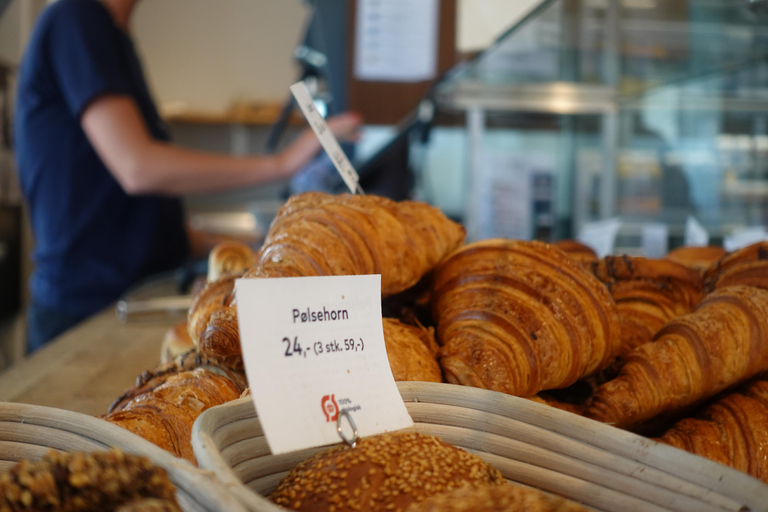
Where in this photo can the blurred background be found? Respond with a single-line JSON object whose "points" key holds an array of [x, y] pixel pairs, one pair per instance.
{"points": [[634, 125]]}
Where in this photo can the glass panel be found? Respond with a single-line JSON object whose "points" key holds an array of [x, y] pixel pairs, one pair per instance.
{"points": [[651, 110]]}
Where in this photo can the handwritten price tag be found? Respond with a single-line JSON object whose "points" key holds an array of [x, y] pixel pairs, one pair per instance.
{"points": [[326, 138], [314, 347]]}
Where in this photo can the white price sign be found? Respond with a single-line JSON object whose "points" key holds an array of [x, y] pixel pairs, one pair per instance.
{"points": [[326, 138], [314, 347]]}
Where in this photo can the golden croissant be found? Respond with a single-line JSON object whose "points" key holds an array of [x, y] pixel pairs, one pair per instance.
{"points": [[748, 265], [725, 266], [696, 258], [316, 234], [213, 297], [732, 431], [582, 253], [411, 352], [227, 258], [723, 342], [648, 293], [521, 317], [164, 415]]}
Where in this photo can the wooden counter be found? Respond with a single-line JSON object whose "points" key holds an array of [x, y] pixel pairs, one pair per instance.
{"points": [[87, 367]]}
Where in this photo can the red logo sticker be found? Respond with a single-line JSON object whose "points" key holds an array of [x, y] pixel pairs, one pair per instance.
{"points": [[330, 408]]}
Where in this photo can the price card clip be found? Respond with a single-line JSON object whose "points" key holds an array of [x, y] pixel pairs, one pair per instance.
{"points": [[326, 138], [351, 441]]}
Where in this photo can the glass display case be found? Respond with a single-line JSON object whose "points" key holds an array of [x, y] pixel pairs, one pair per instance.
{"points": [[650, 112]]}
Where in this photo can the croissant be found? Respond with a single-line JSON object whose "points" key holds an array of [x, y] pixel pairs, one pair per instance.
{"points": [[732, 431], [185, 362], [696, 258], [214, 296], [411, 352], [648, 293], [175, 342], [730, 262], [752, 273], [165, 414], [221, 340], [721, 343], [317, 234], [229, 257], [580, 252], [520, 317]]}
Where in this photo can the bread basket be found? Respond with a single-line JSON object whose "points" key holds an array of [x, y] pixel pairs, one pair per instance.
{"points": [[30, 431], [603, 467]]}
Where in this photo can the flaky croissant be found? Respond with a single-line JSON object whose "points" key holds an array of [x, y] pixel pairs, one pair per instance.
{"points": [[648, 293], [722, 269], [732, 431], [316, 234], [748, 265], [696, 258], [221, 340], [411, 352], [520, 317], [164, 415], [724, 341], [213, 297], [579, 251], [227, 258]]}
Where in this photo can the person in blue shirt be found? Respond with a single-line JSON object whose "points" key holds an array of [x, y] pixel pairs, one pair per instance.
{"points": [[98, 174]]}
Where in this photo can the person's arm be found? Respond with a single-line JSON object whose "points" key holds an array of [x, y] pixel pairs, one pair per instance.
{"points": [[142, 165]]}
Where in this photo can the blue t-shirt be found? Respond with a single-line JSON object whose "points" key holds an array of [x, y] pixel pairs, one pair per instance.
{"points": [[93, 241]]}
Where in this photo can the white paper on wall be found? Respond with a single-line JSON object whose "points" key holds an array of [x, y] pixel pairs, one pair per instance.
{"points": [[396, 40]]}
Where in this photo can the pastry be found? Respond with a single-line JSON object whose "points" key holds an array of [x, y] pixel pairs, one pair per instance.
{"points": [[221, 340], [228, 258], [696, 258], [495, 498], [723, 342], [579, 251], [521, 317], [752, 273], [732, 431], [411, 352], [175, 342], [648, 293], [164, 415], [316, 234], [756, 252], [85, 482], [382, 473], [215, 296], [188, 361]]}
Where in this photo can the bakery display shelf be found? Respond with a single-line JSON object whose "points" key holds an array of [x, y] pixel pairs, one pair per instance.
{"points": [[603, 467], [30, 431]]}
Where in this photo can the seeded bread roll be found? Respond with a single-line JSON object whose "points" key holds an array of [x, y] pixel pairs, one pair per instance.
{"points": [[382, 473], [497, 498]]}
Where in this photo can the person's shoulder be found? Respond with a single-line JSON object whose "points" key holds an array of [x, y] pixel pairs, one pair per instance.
{"points": [[74, 12]]}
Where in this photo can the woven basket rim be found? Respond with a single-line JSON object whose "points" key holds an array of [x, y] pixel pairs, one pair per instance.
{"points": [[720, 484], [200, 486]]}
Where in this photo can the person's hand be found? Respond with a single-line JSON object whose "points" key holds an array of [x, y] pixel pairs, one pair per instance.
{"points": [[343, 126], [346, 126]]}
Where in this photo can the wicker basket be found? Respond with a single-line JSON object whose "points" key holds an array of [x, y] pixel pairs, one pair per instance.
{"points": [[601, 466], [30, 431]]}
